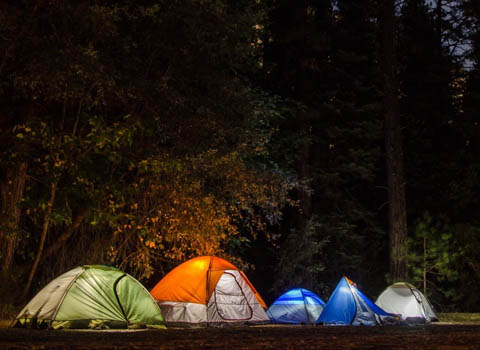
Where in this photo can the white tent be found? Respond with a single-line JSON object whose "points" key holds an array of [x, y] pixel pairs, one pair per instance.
{"points": [[404, 299]]}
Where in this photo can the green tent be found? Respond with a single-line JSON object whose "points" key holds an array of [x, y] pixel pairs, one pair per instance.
{"points": [[92, 296]]}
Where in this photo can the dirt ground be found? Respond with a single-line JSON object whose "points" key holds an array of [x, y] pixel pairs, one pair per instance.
{"points": [[435, 336]]}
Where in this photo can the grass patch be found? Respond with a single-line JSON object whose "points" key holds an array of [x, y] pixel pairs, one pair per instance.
{"points": [[5, 323], [459, 317], [7, 314]]}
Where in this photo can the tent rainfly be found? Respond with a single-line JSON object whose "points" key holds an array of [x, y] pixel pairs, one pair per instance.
{"points": [[91, 296], [208, 290], [404, 299], [349, 306], [296, 306]]}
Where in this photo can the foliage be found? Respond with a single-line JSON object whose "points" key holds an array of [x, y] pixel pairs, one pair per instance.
{"points": [[447, 253], [440, 256], [249, 129], [441, 169], [427, 73], [322, 57], [191, 207], [300, 259], [459, 317], [143, 115]]}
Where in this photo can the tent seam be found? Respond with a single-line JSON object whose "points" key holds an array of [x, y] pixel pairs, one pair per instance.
{"points": [[117, 297], [64, 294]]}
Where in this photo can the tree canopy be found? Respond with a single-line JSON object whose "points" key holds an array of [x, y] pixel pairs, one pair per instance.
{"points": [[141, 133]]}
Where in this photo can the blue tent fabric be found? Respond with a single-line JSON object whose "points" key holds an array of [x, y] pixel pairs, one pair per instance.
{"points": [[348, 306], [341, 307], [297, 306]]}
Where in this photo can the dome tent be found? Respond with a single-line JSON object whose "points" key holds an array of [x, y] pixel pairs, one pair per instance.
{"points": [[296, 306], [208, 290], [91, 296], [348, 306], [407, 301]]}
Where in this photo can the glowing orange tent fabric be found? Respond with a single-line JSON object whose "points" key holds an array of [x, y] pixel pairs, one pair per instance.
{"points": [[194, 281]]}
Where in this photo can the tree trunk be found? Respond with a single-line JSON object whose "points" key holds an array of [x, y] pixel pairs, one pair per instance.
{"points": [[397, 218], [11, 189], [81, 215], [46, 224]]}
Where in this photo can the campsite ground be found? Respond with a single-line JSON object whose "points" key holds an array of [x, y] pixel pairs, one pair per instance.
{"points": [[440, 336]]}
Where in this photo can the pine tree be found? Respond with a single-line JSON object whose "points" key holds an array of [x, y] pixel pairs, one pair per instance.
{"points": [[324, 57]]}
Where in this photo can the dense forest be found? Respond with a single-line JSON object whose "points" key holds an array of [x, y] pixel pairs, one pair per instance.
{"points": [[302, 140]]}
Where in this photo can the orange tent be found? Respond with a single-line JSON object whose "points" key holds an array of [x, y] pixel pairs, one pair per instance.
{"points": [[214, 283]]}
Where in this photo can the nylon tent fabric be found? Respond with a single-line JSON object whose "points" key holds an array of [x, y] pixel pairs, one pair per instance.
{"points": [[92, 296], [208, 290], [44, 304], [202, 273], [296, 306], [404, 299], [348, 306], [340, 307]]}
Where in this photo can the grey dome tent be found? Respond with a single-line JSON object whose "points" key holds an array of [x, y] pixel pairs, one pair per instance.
{"points": [[407, 301], [91, 296]]}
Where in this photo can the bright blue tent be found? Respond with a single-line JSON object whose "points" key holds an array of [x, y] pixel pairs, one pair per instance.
{"points": [[348, 306], [297, 306]]}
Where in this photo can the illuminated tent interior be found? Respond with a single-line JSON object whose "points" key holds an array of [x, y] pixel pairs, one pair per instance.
{"points": [[349, 306], [296, 306], [91, 296], [208, 290], [407, 301]]}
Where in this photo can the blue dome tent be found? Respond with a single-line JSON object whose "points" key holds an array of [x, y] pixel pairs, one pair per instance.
{"points": [[348, 306], [297, 306]]}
